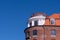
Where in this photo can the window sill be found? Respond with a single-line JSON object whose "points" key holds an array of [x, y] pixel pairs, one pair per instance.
{"points": [[35, 36], [53, 35]]}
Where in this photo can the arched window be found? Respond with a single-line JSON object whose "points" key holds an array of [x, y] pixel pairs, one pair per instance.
{"points": [[53, 32], [52, 21], [34, 32]]}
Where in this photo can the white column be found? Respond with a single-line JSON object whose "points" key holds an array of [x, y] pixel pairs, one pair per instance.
{"points": [[39, 22], [28, 25], [32, 23]]}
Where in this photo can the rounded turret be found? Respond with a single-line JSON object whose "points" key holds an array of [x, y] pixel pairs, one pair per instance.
{"points": [[37, 19]]}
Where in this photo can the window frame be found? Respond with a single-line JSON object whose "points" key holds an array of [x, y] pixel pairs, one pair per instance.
{"points": [[36, 23], [53, 32], [52, 21], [30, 23], [35, 32]]}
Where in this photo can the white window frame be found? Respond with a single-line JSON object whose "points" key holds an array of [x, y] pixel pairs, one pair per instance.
{"points": [[52, 20]]}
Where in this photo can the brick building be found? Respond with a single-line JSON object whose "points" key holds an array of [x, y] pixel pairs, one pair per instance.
{"points": [[43, 27]]}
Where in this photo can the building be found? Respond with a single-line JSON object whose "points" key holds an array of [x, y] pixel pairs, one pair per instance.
{"points": [[43, 27]]}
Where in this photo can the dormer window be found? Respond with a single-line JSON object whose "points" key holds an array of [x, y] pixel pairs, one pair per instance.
{"points": [[52, 21], [35, 22]]}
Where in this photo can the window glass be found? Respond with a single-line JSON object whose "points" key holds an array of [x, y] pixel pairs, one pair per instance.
{"points": [[53, 32], [52, 21], [34, 32], [36, 22]]}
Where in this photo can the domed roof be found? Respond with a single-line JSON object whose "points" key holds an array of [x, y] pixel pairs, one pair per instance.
{"points": [[38, 13]]}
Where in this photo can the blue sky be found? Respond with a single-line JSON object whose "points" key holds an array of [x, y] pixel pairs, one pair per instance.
{"points": [[15, 13]]}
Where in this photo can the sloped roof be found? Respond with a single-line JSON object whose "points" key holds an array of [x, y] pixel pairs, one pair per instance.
{"points": [[55, 15]]}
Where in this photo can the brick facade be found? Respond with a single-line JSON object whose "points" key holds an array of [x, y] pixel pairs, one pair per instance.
{"points": [[44, 31]]}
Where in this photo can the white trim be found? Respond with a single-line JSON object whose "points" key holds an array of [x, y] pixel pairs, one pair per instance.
{"points": [[52, 19], [28, 25], [40, 16], [41, 21], [32, 23], [53, 35]]}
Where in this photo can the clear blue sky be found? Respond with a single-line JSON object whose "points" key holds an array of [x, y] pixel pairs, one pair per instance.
{"points": [[14, 15]]}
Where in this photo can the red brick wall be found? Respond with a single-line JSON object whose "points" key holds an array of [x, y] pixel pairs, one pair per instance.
{"points": [[41, 33]]}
